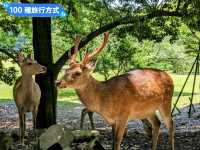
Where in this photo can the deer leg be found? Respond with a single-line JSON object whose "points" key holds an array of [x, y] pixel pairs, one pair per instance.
{"points": [[34, 115], [113, 136], [90, 115], [170, 126], [166, 115], [83, 113], [147, 127], [21, 126], [24, 124], [155, 122], [119, 129]]}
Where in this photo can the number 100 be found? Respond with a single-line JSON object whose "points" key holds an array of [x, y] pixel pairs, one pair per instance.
{"points": [[16, 10]]}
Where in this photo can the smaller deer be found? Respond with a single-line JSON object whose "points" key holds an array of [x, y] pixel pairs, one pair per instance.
{"points": [[26, 92], [90, 115], [146, 123], [137, 94]]}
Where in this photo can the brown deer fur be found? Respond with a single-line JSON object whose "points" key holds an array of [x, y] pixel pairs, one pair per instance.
{"points": [[26, 91], [133, 95]]}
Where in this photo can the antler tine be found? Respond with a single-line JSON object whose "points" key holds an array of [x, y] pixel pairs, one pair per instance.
{"points": [[76, 45], [88, 57]]}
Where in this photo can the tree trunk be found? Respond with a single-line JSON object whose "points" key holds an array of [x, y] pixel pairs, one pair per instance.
{"points": [[43, 54]]}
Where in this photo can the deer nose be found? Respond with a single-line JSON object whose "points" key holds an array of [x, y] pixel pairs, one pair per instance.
{"points": [[44, 68], [57, 82]]}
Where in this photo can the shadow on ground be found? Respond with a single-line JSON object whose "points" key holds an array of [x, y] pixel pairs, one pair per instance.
{"points": [[187, 133], [176, 93], [140, 141]]}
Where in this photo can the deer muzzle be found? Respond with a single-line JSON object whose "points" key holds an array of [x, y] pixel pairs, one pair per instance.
{"points": [[58, 82], [61, 84], [43, 69]]}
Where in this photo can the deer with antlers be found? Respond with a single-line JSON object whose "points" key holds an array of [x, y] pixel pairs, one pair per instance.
{"points": [[26, 91], [137, 94]]}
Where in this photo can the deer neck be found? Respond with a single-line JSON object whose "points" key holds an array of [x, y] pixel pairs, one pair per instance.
{"points": [[89, 94], [27, 82]]}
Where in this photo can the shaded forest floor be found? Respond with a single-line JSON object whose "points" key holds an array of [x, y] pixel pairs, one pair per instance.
{"points": [[187, 132]]}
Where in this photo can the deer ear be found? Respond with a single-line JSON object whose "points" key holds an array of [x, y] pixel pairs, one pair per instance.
{"points": [[92, 65], [20, 57]]}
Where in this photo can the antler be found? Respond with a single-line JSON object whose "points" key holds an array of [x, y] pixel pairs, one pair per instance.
{"points": [[88, 57], [76, 43]]}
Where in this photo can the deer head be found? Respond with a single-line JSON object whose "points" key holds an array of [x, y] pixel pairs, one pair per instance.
{"points": [[78, 73], [29, 66]]}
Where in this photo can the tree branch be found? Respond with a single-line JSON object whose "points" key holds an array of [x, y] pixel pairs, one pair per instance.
{"points": [[10, 55], [24, 1], [122, 21]]}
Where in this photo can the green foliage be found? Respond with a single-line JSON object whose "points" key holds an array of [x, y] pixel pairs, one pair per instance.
{"points": [[126, 53], [105, 65], [8, 75], [11, 29], [7, 39], [193, 20], [160, 42]]}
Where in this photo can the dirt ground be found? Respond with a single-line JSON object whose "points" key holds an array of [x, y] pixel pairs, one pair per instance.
{"points": [[187, 130]]}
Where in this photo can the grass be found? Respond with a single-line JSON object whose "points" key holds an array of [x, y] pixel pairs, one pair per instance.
{"points": [[68, 96], [5, 91], [178, 84]]}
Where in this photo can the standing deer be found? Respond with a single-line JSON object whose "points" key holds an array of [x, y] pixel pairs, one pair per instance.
{"points": [[26, 92], [90, 115], [146, 124], [133, 95]]}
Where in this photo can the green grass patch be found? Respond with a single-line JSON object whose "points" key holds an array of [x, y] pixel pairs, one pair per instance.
{"points": [[62, 93], [5, 91], [69, 97], [178, 84]]}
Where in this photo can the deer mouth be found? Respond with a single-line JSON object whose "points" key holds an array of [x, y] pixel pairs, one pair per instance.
{"points": [[57, 82], [43, 70], [60, 84]]}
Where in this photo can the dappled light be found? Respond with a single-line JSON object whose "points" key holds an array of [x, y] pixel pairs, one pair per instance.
{"points": [[100, 75], [187, 129]]}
